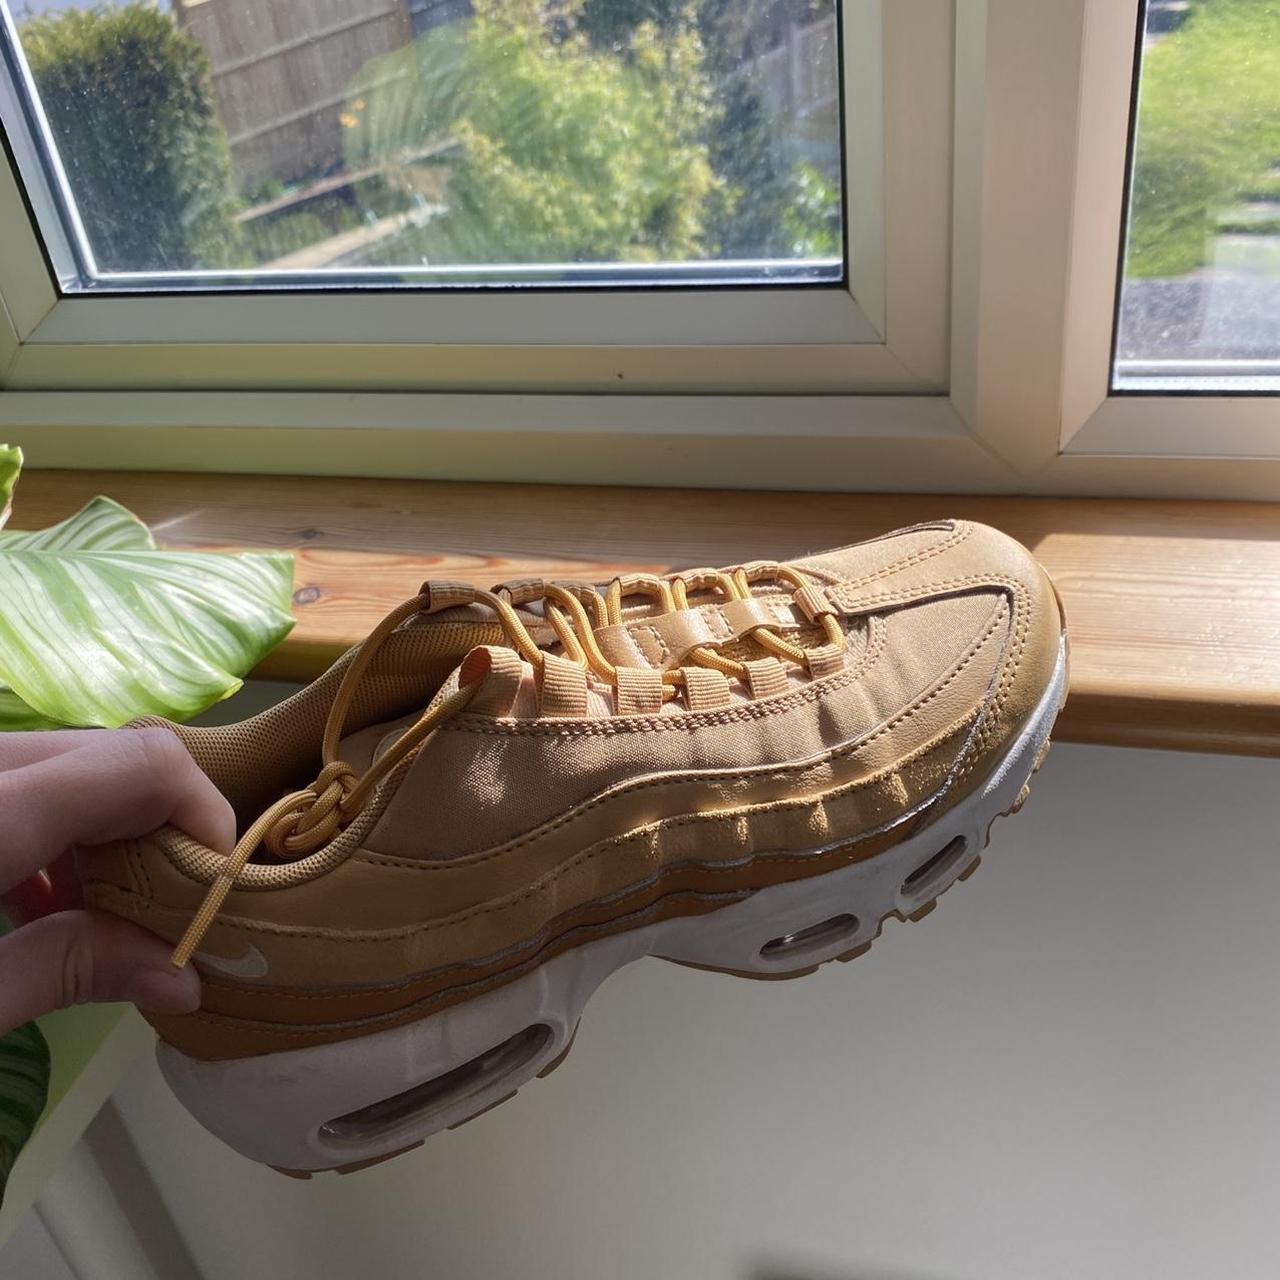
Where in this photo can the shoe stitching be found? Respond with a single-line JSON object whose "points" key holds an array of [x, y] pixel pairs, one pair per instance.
{"points": [[850, 600], [941, 526], [960, 531], [716, 818], [664, 650], [1012, 664], [780, 773], [419, 1008], [686, 721], [583, 858], [607, 847]]}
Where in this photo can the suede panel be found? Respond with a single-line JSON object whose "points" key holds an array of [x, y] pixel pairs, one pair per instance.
{"points": [[481, 782], [508, 837]]}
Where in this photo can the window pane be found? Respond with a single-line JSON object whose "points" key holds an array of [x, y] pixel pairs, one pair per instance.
{"points": [[1200, 298], [281, 143]]}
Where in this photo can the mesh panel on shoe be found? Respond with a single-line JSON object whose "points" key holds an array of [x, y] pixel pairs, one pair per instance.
{"points": [[252, 762], [203, 865]]}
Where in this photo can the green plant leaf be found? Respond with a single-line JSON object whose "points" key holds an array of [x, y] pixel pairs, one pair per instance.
{"points": [[100, 525], [10, 465], [15, 715], [98, 627], [97, 638], [24, 1087]]}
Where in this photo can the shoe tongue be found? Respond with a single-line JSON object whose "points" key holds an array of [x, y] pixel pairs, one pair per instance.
{"points": [[364, 747]]}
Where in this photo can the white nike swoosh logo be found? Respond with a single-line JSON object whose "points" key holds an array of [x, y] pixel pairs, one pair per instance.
{"points": [[253, 964]]}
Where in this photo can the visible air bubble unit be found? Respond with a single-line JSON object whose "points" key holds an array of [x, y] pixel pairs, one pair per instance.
{"points": [[816, 938], [502, 1062], [931, 877]]}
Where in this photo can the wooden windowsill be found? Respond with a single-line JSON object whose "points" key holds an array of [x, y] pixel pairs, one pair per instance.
{"points": [[1173, 607]]}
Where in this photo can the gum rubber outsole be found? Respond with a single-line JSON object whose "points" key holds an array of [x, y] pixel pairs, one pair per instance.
{"points": [[253, 1104]]}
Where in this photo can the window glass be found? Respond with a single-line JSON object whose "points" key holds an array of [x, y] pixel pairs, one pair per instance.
{"points": [[259, 143], [1200, 294]]}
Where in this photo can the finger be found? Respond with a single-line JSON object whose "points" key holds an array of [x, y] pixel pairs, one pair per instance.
{"points": [[18, 749], [121, 784], [80, 956]]}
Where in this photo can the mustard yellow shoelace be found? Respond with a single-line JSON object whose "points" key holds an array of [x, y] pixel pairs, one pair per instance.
{"points": [[304, 821]]}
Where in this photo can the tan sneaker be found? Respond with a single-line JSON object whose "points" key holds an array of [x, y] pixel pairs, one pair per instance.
{"points": [[744, 770]]}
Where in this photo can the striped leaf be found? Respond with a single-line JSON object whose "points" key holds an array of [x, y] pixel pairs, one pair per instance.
{"points": [[98, 626], [24, 1087], [100, 525], [10, 465], [101, 637]]}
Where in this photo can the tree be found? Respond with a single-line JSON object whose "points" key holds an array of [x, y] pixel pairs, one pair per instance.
{"points": [[750, 222], [754, 213], [130, 105], [562, 152]]}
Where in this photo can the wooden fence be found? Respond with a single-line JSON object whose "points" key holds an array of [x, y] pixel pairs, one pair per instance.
{"points": [[281, 73], [800, 80]]}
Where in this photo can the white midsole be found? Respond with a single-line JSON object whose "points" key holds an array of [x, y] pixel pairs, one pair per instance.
{"points": [[275, 1107]]}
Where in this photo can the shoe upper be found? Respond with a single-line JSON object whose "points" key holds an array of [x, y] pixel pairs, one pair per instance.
{"points": [[695, 746]]}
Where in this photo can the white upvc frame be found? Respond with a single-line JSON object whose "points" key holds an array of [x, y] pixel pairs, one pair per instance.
{"points": [[1042, 124], [1013, 397], [588, 339]]}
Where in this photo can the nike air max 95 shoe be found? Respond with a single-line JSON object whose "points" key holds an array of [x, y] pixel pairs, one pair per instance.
{"points": [[499, 798]]}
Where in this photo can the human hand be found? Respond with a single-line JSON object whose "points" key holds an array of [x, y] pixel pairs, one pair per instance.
{"points": [[87, 787]]}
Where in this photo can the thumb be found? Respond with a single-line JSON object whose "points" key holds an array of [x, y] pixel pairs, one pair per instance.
{"points": [[79, 956]]}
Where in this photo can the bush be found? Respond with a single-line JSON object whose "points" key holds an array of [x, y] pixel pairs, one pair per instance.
{"points": [[563, 152], [748, 217], [1208, 130], [812, 218], [130, 104]]}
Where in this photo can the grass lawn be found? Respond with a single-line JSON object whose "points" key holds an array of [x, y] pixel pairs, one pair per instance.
{"points": [[1208, 132]]}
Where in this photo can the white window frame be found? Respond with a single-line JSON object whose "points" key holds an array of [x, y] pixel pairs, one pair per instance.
{"points": [[580, 339], [1008, 392], [1042, 148]]}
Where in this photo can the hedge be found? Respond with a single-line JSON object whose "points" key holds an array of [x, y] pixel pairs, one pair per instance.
{"points": [[130, 103]]}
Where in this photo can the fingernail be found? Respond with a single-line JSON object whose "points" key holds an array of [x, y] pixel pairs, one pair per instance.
{"points": [[164, 990]]}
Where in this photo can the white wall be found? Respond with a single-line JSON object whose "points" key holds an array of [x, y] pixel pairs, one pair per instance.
{"points": [[1069, 1070], [32, 1252]]}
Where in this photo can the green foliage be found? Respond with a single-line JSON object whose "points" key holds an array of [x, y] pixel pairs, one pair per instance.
{"points": [[1208, 130], [748, 215], [130, 104], [812, 217], [270, 238], [611, 24], [10, 466], [99, 626], [560, 152], [312, 221], [24, 1088]]}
